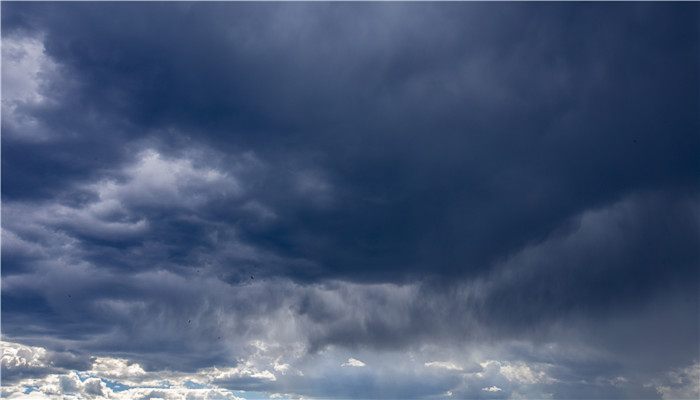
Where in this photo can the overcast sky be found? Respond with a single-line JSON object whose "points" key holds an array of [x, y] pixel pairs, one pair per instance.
{"points": [[350, 200]]}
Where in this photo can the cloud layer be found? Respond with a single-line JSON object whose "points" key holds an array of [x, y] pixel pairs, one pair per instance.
{"points": [[350, 200]]}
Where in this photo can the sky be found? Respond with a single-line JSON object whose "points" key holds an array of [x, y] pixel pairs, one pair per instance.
{"points": [[350, 200]]}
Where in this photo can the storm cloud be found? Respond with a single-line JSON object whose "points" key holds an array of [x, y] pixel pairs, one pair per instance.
{"points": [[339, 200]]}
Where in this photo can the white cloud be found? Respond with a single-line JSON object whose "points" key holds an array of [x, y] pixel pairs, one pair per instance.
{"points": [[682, 383], [237, 373], [524, 373], [70, 386], [519, 372], [444, 365], [353, 362], [116, 368], [65, 386], [492, 389], [280, 367], [15, 355], [93, 383]]}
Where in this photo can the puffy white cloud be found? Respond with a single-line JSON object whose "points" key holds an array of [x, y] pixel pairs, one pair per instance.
{"points": [[242, 373], [15, 355], [70, 386], [95, 382], [116, 368], [492, 389], [67, 386], [353, 362], [176, 394]]}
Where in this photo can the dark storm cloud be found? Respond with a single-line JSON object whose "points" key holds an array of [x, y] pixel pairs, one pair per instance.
{"points": [[627, 252], [383, 177], [451, 144]]}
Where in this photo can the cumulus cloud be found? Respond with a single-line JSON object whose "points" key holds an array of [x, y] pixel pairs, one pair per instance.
{"points": [[32, 372], [353, 362], [72, 386], [27, 362]]}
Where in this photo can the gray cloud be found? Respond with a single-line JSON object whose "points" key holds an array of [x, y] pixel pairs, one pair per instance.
{"points": [[475, 200]]}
